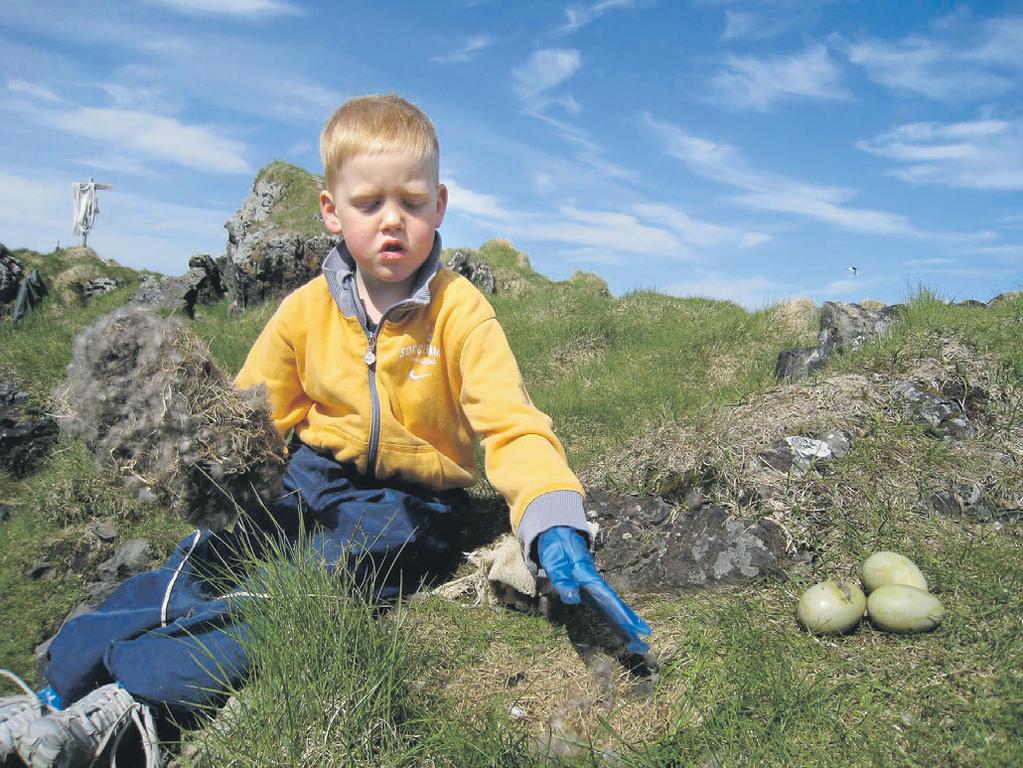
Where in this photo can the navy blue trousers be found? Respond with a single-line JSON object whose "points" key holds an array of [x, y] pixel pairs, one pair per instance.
{"points": [[169, 635]]}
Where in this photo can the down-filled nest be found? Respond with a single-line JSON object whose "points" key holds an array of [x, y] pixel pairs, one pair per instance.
{"points": [[147, 398]]}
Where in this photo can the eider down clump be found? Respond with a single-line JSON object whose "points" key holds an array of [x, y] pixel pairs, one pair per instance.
{"points": [[143, 392]]}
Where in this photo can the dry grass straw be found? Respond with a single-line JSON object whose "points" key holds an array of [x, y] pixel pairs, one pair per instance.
{"points": [[557, 694], [145, 395], [568, 358], [798, 316]]}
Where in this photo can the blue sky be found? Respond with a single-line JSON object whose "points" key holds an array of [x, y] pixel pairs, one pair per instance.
{"points": [[750, 150]]}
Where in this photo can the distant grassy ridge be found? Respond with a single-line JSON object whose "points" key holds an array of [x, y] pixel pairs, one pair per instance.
{"points": [[739, 683]]}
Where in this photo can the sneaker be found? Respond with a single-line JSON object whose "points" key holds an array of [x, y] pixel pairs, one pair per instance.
{"points": [[78, 735], [16, 712]]}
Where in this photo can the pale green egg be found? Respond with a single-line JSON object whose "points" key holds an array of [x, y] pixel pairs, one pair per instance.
{"points": [[890, 568], [902, 608], [831, 607]]}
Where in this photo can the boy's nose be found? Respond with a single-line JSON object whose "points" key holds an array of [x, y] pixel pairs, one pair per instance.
{"points": [[391, 217]]}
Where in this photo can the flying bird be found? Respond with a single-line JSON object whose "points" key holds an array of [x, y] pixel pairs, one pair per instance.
{"points": [[853, 269]]}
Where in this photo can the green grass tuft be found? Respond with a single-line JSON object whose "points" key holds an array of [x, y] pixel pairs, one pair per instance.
{"points": [[299, 208]]}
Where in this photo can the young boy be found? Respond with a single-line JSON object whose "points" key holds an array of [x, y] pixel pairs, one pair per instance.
{"points": [[387, 367]]}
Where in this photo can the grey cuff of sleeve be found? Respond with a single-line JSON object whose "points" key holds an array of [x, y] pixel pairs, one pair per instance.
{"points": [[547, 511]]}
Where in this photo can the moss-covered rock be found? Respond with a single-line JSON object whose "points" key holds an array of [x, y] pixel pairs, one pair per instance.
{"points": [[276, 240]]}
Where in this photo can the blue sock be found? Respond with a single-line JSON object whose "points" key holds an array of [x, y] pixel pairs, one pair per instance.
{"points": [[50, 697]]}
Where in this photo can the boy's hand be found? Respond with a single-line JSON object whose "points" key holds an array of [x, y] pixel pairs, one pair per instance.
{"points": [[563, 554]]}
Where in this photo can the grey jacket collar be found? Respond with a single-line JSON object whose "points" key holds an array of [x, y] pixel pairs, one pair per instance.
{"points": [[339, 270]]}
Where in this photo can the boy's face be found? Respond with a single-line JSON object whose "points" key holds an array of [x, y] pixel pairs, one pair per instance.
{"points": [[387, 207]]}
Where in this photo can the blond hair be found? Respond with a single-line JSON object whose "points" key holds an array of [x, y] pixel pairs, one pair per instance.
{"points": [[375, 125]]}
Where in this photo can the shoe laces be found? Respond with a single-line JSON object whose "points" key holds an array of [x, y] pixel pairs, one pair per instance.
{"points": [[17, 711], [103, 715]]}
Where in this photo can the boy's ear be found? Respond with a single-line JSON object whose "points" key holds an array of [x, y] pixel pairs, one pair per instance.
{"points": [[442, 204], [329, 213]]}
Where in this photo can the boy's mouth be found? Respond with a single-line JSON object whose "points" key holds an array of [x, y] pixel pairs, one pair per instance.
{"points": [[393, 249]]}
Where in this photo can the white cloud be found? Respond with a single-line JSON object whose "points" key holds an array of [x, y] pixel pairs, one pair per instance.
{"points": [[1012, 252], [582, 228], [34, 91], [752, 292], [590, 152], [980, 154], [693, 231], [545, 70], [745, 25], [602, 229], [590, 255], [812, 203], [467, 51], [232, 7], [154, 137], [957, 60], [739, 24], [934, 262], [472, 203], [604, 236], [762, 19], [758, 291], [113, 162], [756, 83], [841, 288], [211, 65], [28, 205], [753, 239], [542, 182], [578, 15], [764, 191], [696, 232]]}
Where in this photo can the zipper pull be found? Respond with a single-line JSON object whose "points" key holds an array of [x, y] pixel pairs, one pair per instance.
{"points": [[371, 356]]}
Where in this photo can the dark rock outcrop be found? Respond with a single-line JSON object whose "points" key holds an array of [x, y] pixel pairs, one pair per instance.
{"points": [[201, 284], [98, 286], [476, 270], [798, 454], [11, 273], [213, 289], [1006, 296], [643, 543], [844, 327], [797, 364], [25, 435], [968, 500], [939, 414], [130, 558], [263, 259]]}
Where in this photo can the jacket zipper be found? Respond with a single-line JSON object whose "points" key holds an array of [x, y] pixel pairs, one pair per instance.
{"points": [[370, 359]]}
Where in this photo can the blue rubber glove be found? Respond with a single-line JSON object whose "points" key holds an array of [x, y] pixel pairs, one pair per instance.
{"points": [[566, 558]]}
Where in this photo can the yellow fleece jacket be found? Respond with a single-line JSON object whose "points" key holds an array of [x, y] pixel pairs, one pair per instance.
{"points": [[440, 375]]}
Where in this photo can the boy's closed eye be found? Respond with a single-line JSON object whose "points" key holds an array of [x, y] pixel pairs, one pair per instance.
{"points": [[366, 204], [370, 204]]}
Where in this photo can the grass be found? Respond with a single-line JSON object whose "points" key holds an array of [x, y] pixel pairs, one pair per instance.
{"points": [[299, 206], [432, 683]]}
